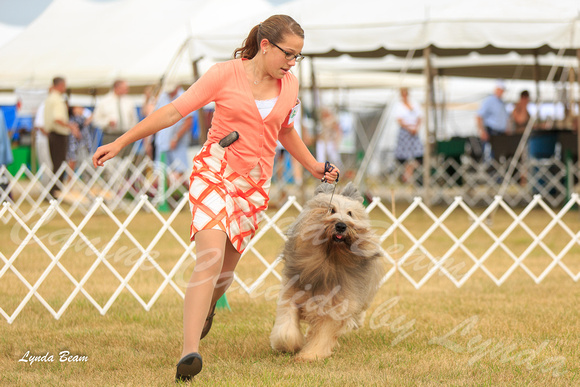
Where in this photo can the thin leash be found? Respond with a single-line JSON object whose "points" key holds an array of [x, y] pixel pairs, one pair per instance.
{"points": [[329, 168]]}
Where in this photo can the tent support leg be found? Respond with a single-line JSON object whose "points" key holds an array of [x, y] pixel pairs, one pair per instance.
{"points": [[427, 147]]}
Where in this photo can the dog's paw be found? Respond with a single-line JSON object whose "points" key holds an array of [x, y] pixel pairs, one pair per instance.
{"points": [[286, 346], [287, 341], [311, 356]]}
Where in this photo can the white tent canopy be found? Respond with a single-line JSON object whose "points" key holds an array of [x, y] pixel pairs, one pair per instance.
{"points": [[93, 42], [493, 38], [377, 27], [9, 32]]}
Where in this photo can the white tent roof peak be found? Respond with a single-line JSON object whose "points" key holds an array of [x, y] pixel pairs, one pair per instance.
{"points": [[93, 42], [377, 27]]}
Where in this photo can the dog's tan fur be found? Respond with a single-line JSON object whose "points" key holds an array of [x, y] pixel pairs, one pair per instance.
{"points": [[330, 276]]}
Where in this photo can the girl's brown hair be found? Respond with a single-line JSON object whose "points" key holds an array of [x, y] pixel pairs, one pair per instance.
{"points": [[274, 28]]}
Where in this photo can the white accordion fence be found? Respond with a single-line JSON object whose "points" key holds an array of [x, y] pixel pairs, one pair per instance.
{"points": [[168, 277], [52, 250]]}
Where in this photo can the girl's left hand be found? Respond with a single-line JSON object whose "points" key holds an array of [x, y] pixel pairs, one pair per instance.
{"points": [[104, 153]]}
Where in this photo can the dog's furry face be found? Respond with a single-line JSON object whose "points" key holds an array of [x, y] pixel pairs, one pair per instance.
{"points": [[332, 271], [336, 231], [342, 217]]}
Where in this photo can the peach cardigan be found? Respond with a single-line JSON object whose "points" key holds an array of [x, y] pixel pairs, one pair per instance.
{"points": [[226, 84]]}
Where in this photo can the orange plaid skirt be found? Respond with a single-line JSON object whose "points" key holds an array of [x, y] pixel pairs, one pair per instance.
{"points": [[222, 199]]}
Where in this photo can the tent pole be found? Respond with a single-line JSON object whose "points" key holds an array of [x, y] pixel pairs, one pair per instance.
{"points": [[200, 112], [435, 111], [315, 100], [536, 75], [443, 90], [299, 169], [427, 147], [373, 143], [569, 113], [572, 109]]}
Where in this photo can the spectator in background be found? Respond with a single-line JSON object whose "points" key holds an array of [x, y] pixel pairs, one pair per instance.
{"points": [[41, 142], [57, 125], [520, 115], [281, 154], [173, 140], [149, 102], [6, 157], [329, 138], [79, 148], [115, 114], [409, 151], [492, 117]]}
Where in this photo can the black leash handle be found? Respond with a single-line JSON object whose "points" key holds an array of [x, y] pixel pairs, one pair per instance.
{"points": [[229, 139], [329, 168]]}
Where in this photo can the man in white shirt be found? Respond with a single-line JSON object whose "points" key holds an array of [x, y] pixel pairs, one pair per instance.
{"points": [[115, 114], [41, 142], [56, 121]]}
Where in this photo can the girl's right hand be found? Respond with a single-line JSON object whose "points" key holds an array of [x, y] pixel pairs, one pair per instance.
{"points": [[329, 176], [104, 153]]}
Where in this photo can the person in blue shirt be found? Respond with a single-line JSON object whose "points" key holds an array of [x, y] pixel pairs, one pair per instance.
{"points": [[174, 140], [6, 157], [492, 116]]}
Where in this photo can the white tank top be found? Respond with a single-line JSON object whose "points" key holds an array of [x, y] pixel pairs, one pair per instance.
{"points": [[266, 106]]}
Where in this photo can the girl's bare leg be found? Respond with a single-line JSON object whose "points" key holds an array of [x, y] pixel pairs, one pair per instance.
{"points": [[210, 250], [231, 259]]}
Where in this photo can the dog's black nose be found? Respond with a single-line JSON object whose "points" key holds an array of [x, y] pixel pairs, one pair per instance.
{"points": [[340, 227]]}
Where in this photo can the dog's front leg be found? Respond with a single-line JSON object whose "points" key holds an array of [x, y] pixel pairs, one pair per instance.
{"points": [[322, 338], [286, 335]]}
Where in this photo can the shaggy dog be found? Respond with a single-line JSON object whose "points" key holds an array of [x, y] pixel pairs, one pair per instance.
{"points": [[332, 271]]}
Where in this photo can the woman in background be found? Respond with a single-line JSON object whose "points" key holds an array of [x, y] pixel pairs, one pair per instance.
{"points": [[520, 115], [409, 151]]}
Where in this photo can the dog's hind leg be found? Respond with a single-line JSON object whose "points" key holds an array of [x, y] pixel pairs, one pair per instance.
{"points": [[322, 338], [286, 335]]}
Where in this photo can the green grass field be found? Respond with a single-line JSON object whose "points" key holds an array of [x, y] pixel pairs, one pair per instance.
{"points": [[520, 333]]}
